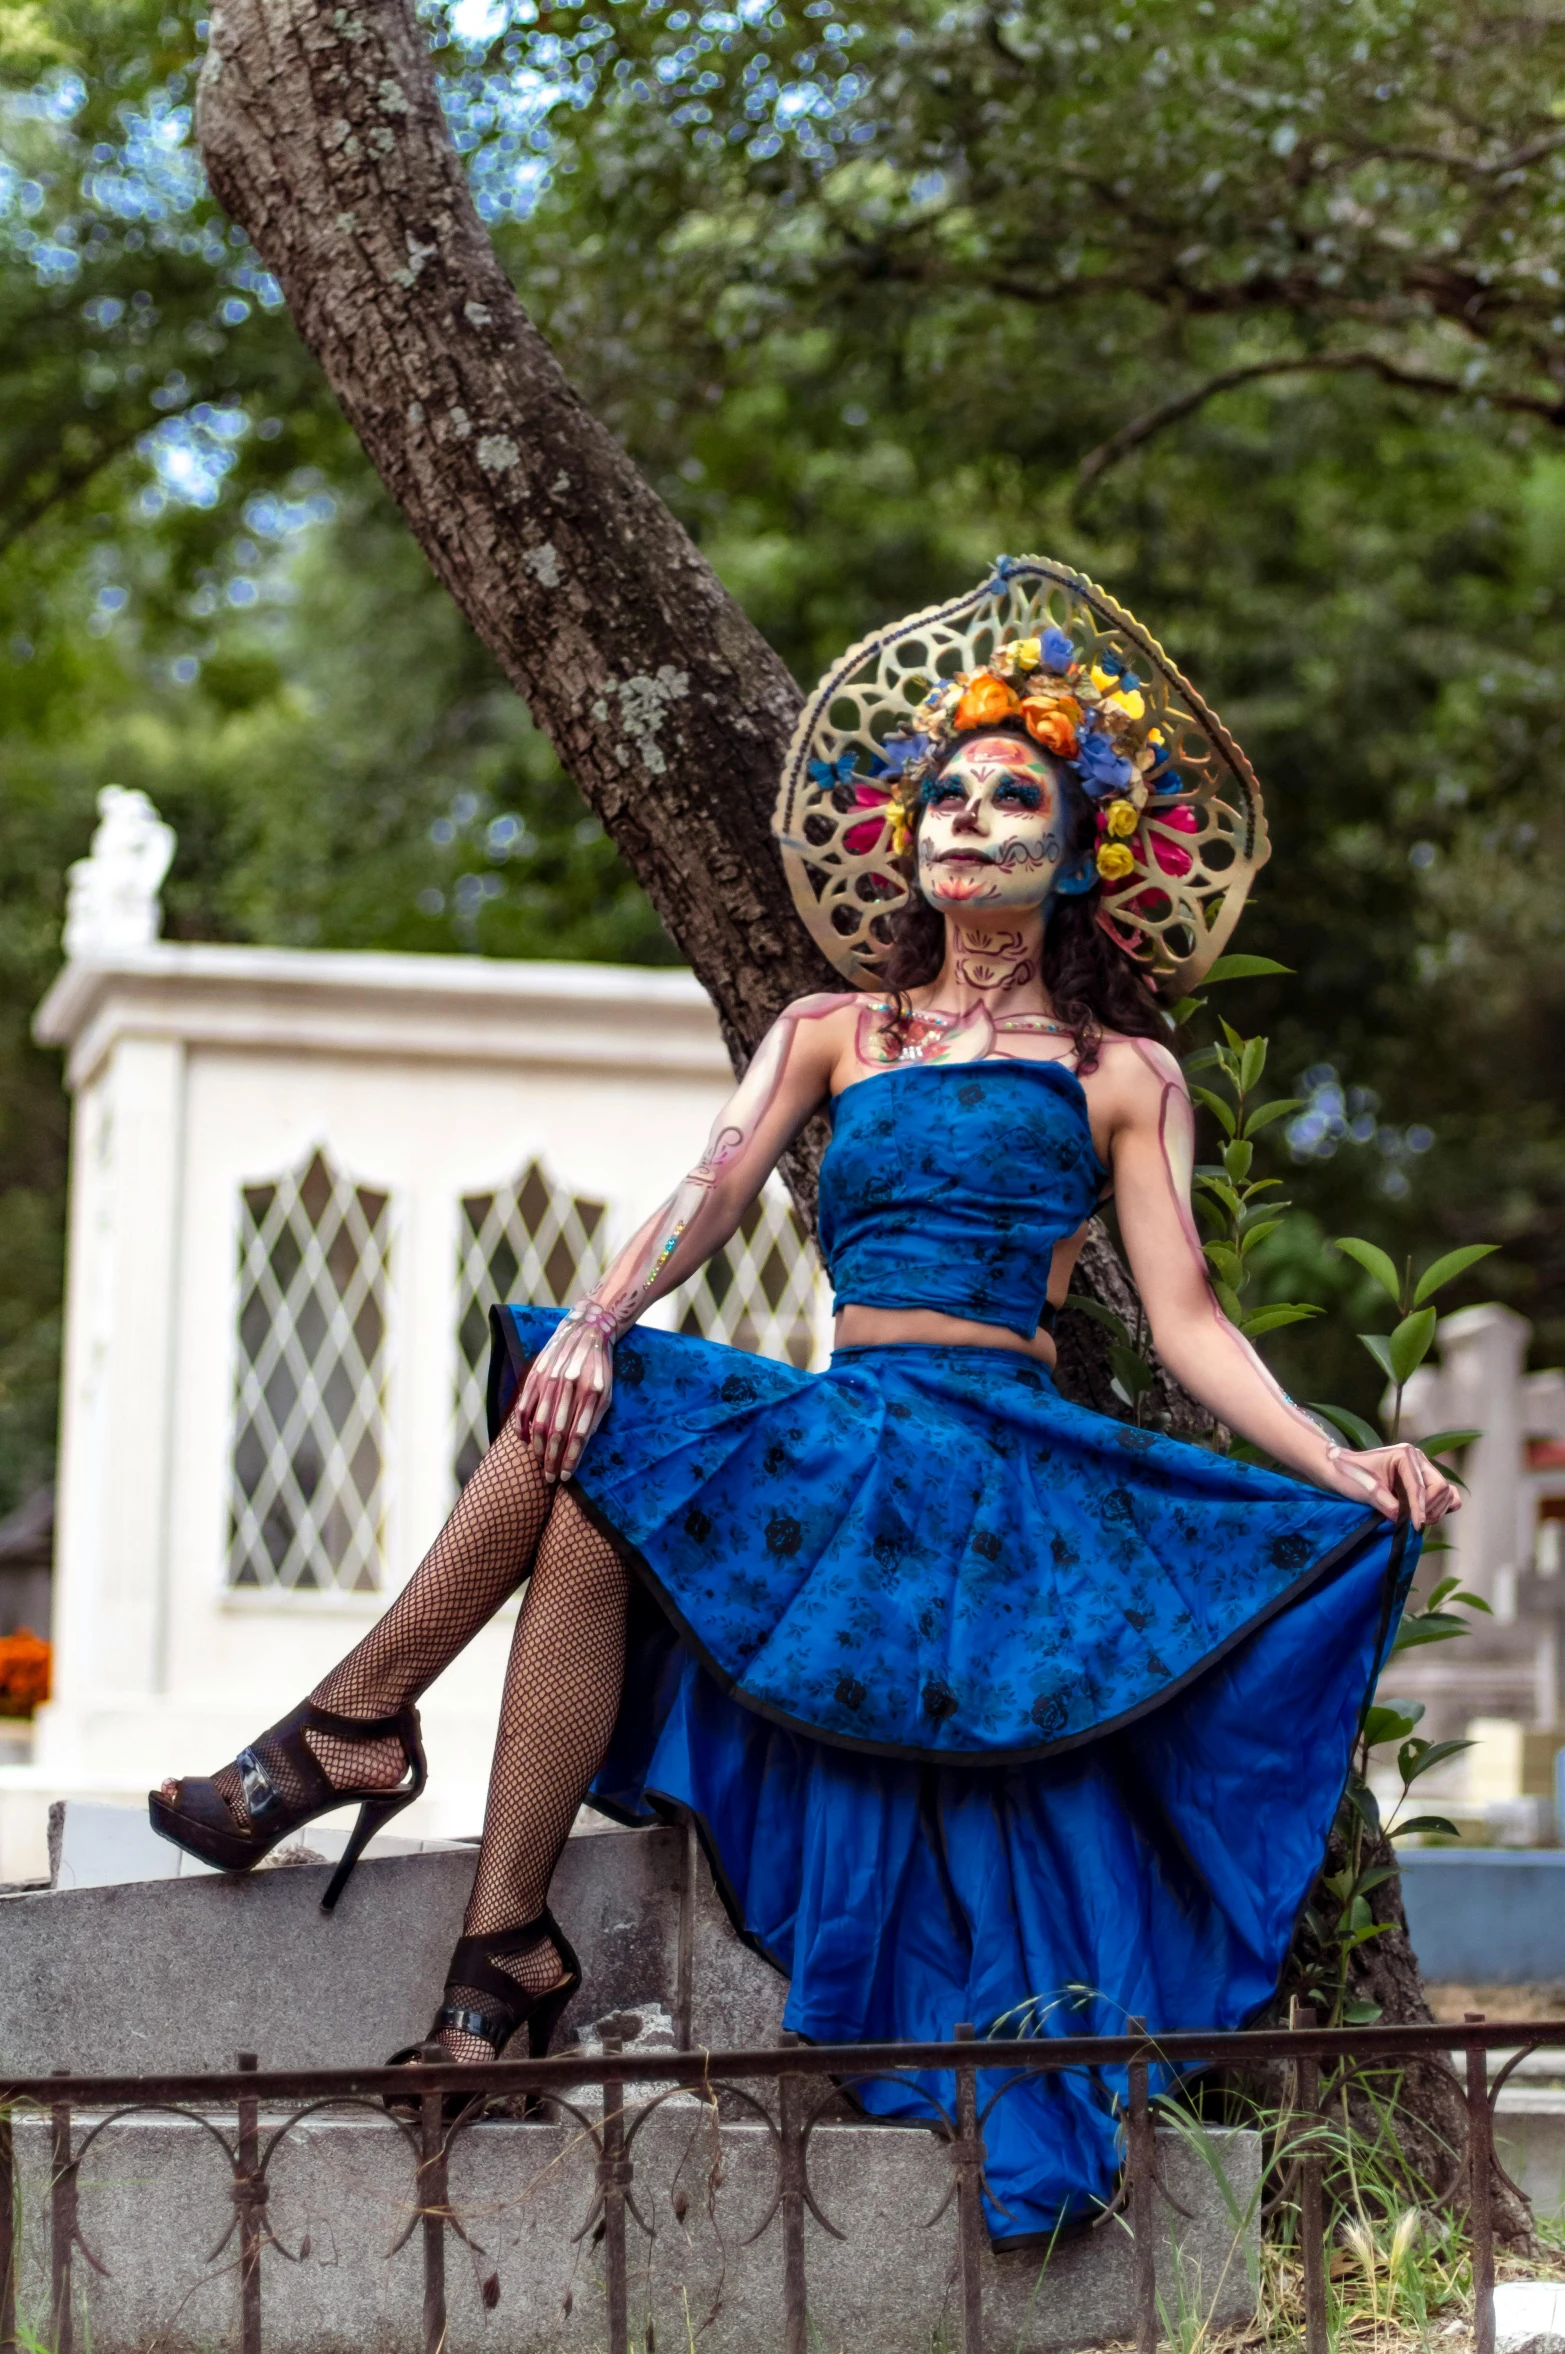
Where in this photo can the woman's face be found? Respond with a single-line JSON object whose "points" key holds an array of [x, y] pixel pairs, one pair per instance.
{"points": [[992, 835]]}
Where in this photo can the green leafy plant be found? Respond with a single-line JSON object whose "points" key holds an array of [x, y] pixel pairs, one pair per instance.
{"points": [[1233, 1204], [1399, 1353]]}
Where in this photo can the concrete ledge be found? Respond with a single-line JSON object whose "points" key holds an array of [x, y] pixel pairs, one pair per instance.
{"points": [[182, 1974], [1529, 2139], [154, 2199]]}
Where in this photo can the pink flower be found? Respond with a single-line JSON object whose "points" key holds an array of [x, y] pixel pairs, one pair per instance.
{"points": [[1183, 820], [866, 834]]}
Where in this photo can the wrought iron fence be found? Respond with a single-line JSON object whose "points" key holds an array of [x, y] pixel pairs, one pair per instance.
{"points": [[804, 2081]]}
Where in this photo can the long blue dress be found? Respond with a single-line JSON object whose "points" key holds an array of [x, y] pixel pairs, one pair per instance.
{"points": [[986, 1706]]}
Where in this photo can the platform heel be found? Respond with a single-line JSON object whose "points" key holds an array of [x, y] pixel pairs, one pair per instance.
{"points": [[507, 2007], [282, 1787]]}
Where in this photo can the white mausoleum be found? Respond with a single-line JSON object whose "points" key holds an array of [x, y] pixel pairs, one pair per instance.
{"points": [[298, 1181]]}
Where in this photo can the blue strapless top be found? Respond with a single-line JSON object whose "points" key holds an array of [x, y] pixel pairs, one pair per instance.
{"points": [[947, 1186]]}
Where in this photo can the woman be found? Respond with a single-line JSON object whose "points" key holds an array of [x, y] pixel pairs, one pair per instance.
{"points": [[976, 1697]]}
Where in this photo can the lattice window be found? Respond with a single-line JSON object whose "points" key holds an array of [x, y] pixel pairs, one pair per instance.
{"points": [[532, 1241], [762, 1290], [308, 1491]]}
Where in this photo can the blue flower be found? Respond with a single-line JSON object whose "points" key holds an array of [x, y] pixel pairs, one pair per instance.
{"points": [[1058, 652], [1099, 766], [826, 773], [897, 751]]}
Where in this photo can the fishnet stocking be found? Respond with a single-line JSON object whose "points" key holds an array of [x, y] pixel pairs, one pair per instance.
{"points": [[561, 1697], [562, 1694], [479, 1558]]}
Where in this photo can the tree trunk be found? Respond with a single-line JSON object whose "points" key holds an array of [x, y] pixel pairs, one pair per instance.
{"points": [[323, 135]]}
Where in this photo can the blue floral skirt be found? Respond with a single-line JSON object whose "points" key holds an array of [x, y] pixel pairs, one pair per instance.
{"points": [[987, 1707]]}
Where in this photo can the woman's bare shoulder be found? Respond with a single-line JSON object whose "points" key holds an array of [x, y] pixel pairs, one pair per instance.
{"points": [[1135, 1073], [822, 1005], [813, 1031]]}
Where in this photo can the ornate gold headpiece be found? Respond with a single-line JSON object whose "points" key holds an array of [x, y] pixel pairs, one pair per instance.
{"points": [[1179, 808]]}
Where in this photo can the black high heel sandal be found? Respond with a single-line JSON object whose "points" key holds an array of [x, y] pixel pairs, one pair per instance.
{"points": [[285, 1786], [507, 2008]]}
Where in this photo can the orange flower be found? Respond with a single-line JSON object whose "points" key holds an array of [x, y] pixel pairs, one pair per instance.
{"points": [[1049, 724], [24, 1672], [987, 699]]}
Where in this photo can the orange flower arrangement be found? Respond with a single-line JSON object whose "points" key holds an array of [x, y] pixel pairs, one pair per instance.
{"points": [[985, 700], [25, 1660], [1053, 724]]}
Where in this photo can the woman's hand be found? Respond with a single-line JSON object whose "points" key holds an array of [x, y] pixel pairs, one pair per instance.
{"points": [[568, 1387], [1384, 1476]]}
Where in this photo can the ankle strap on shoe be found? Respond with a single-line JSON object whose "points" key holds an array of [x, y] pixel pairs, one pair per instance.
{"points": [[478, 2024], [360, 1728]]}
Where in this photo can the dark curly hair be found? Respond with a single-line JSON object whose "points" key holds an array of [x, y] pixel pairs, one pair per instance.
{"points": [[1092, 985]]}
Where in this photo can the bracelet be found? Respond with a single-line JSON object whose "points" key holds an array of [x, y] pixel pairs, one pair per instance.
{"points": [[602, 1320]]}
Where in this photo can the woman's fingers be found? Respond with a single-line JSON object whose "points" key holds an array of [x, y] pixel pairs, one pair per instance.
{"points": [[1409, 1468], [572, 1413], [561, 1407], [590, 1406], [568, 1445], [545, 1415], [564, 1398]]}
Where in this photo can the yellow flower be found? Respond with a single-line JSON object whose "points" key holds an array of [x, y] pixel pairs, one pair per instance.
{"points": [[1133, 703], [1115, 862], [1104, 680], [1121, 818], [1027, 653]]}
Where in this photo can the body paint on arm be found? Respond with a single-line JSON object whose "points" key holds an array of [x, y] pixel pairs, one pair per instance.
{"points": [[570, 1381], [1207, 1354]]}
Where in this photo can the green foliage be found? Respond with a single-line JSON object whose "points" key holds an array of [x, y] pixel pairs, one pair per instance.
{"points": [[1399, 2256], [859, 305], [1400, 1352], [863, 332], [1240, 1212], [276, 667]]}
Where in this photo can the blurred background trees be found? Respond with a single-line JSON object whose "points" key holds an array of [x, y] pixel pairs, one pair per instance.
{"points": [[1246, 308]]}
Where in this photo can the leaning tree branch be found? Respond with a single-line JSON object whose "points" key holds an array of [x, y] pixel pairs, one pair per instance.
{"points": [[323, 136], [1469, 166], [17, 521], [1183, 404]]}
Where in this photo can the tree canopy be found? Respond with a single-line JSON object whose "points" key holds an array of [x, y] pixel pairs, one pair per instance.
{"points": [[1246, 308]]}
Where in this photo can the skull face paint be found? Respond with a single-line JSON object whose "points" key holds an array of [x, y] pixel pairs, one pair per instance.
{"points": [[992, 836]]}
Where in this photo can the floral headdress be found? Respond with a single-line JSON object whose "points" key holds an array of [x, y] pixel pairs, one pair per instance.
{"points": [[1180, 827], [1093, 718]]}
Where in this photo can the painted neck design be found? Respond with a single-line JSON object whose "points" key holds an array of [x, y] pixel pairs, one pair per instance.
{"points": [[993, 967]]}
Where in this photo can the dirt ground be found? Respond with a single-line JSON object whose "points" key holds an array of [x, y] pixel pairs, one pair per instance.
{"points": [[1499, 2002]]}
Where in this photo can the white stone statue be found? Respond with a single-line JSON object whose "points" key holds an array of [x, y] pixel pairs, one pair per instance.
{"points": [[113, 900]]}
